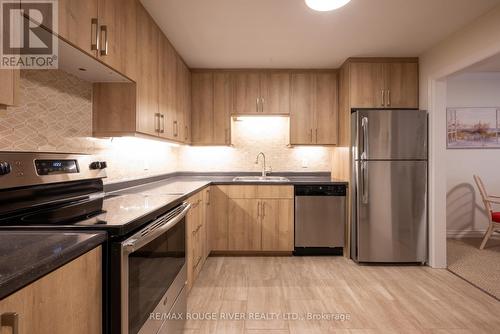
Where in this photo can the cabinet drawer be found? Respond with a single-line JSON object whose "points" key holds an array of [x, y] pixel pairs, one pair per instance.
{"points": [[257, 191]]}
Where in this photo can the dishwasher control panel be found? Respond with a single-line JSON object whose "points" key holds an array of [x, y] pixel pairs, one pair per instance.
{"points": [[321, 190]]}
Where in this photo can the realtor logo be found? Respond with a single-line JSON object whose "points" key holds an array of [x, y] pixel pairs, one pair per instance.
{"points": [[29, 39]]}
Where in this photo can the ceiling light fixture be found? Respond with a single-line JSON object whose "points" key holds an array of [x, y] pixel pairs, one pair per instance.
{"points": [[326, 5]]}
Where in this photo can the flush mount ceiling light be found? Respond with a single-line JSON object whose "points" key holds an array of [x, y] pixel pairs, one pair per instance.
{"points": [[326, 5]]}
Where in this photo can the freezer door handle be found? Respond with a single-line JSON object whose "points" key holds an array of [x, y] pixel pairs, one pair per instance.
{"points": [[364, 141], [364, 182]]}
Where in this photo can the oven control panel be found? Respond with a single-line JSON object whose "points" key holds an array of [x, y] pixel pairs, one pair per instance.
{"points": [[18, 169], [51, 167]]}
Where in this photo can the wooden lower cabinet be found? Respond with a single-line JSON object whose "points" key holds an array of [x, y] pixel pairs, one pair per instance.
{"points": [[244, 226], [218, 209], [277, 225], [251, 218], [196, 235], [68, 300]]}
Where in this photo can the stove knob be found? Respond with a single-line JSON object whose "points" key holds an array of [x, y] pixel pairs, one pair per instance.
{"points": [[5, 168], [98, 165]]}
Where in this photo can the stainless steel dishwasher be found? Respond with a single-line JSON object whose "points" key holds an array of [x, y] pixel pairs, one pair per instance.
{"points": [[320, 218]]}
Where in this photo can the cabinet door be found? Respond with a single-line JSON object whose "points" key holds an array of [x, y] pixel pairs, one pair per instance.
{"points": [[206, 217], [182, 126], [277, 225], [301, 112], [246, 93], [218, 230], [275, 93], [167, 86], [326, 109], [75, 23], [402, 85], [244, 225], [118, 17], [367, 85], [9, 87], [223, 102], [147, 83], [202, 118], [68, 300]]}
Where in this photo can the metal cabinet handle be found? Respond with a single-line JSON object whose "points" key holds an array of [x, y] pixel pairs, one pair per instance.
{"points": [[263, 209], [176, 128], [157, 122], [388, 97], [186, 129], [383, 96], [262, 101], [104, 40], [257, 104], [162, 123], [10, 319], [316, 136], [208, 196], [94, 34], [258, 208]]}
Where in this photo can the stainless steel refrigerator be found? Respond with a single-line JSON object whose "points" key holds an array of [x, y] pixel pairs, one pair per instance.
{"points": [[389, 186]]}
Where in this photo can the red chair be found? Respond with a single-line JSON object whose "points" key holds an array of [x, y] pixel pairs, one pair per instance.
{"points": [[494, 216]]}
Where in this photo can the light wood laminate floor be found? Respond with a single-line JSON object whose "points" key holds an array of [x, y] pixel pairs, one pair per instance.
{"points": [[378, 299]]}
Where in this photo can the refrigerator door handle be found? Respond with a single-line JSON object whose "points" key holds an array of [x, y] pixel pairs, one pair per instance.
{"points": [[364, 182], [364, 141]]}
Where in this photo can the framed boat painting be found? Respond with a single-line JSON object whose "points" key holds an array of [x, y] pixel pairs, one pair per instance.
{"points": [[473, 128]]}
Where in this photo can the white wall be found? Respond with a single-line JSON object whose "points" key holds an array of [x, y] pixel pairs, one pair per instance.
{"points": [[475, 42], [465, 215]]}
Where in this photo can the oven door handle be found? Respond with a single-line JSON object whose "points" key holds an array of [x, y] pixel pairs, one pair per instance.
{"points": [[154, 230]]}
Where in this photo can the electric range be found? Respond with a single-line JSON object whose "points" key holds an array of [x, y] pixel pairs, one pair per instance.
{"points": [[144, 258]]}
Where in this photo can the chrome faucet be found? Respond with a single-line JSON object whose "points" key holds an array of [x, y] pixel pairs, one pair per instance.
{"points": [[263, 165]]}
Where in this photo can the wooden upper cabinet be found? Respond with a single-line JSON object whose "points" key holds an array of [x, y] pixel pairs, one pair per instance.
{"points": [[167, 86], [211, 108], [261, 92], [148, 34], [223, 103], [246, 93], [78, 24], [275, 93], [367, 85], [326, 108], [182, 123], [105, 29], [117, 30], [9, 87], [383, 84], [301, 108], [402, 85], [314, 108], [202, 102]]}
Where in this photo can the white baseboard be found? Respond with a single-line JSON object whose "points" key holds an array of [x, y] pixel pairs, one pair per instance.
{"points": [[457, 234]]}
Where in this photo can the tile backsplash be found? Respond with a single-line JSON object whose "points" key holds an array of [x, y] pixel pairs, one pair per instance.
{"points": [[251, 135], [55, 115]]}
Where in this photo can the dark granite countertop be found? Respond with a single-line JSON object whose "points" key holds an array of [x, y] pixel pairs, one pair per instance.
{"points": [[26, 256], [187, 183]]}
